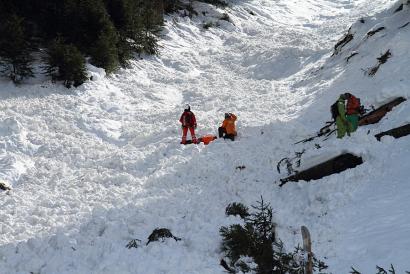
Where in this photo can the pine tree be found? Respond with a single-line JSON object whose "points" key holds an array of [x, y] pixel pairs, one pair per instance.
{"points": [[171, 6], [261, 219], [256, 239], [125, 16], [219, 3], [15, 50], [64, 62], [104, 53], [151, 23], [110, 32]]}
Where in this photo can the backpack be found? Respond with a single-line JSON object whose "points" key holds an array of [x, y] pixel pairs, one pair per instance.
{"points": [[353, 106], [334, 110], [188, 119]]}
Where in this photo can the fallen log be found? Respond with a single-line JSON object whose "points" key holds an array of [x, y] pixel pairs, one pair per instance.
{"points": [[329, 167], [395, 132], [376, 115]]}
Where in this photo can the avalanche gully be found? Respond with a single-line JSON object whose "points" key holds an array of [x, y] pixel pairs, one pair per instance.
{"points": [[95, 167]]}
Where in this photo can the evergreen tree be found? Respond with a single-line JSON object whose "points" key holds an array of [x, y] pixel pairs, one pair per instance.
{"points": [[104, 53], [64, 62], [171, 6], [151, 29], [220, 3], [15, 50], [125, 17], [256, 240], [110, 32]]}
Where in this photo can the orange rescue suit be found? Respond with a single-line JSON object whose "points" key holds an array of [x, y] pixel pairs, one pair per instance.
{"points": [[229, 125]]}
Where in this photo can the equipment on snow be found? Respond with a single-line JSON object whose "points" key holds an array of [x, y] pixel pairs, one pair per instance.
{"points": [[353, 105], [206, 139], [326, 131], [307, 247], [289, 162], [334, 110]]}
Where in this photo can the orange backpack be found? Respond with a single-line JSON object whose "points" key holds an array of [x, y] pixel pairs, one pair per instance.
{"points": [[208, 138]]}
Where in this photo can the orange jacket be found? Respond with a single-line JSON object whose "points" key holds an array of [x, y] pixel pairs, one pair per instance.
{"points": [[229, 125]]}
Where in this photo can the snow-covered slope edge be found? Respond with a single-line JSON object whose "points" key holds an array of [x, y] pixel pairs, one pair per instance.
{"points": [[370, 218]]}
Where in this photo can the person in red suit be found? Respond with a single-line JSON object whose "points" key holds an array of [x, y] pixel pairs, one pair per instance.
{"points": [[188, 121]]}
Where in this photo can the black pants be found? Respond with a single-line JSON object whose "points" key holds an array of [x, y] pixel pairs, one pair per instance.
{"points": [[222, 133]]}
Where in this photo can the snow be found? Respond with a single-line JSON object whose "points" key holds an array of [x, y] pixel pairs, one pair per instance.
{"points": [[95, 167]]}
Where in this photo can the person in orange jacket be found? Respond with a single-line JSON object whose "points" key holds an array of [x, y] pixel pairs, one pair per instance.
{"points": [[228, 129]]}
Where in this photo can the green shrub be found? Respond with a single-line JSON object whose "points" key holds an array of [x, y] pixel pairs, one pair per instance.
{"points": [[256, 239], [171, 6], [237, 209], [15, 49], [104, 52], [108, 31], [64, 62]]}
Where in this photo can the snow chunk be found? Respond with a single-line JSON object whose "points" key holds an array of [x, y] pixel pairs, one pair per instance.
{"points": [[95, 73]]}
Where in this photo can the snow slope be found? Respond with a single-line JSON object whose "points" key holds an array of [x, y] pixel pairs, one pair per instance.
{"points": [[95, 167]]}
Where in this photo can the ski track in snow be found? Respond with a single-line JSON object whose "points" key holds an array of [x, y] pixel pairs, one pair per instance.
{"points": [[95, 167]]}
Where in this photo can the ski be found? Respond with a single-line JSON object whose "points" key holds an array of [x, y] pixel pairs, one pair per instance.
{"points": [[307, 247]]}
